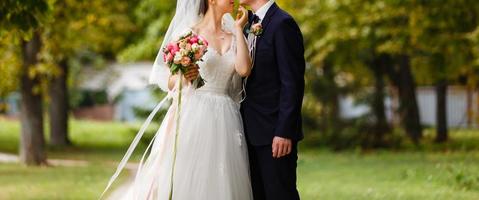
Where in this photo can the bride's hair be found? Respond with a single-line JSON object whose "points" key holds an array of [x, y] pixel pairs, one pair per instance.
{"points": [[203, 7]]}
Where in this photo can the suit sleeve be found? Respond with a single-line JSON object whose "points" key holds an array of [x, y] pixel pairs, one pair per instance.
{"points": [[290, 58]]}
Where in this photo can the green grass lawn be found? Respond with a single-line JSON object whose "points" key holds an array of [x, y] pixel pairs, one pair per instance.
{"points": [[449, 171]]}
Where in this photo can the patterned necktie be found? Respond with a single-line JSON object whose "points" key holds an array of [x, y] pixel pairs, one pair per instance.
{"points": [[255, 19]]}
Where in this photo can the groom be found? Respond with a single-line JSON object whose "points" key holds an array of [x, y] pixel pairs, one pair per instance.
{"points": [[274, 94]]}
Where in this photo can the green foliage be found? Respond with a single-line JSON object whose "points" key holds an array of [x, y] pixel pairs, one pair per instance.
{"points": [[345, 38], [23, 16], [18, 20], [68, 28], [9, 62], [441, 38], [153, 18], [434, 33], [92, 98], [98, 26]]}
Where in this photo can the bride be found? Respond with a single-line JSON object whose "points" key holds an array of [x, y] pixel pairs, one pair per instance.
{"points": [[199, 151]]}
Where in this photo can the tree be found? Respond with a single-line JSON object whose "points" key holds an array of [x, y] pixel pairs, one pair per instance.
{"points": [[442, 52], [444, 49], [342, 40], [79, 26], [22, 21]]}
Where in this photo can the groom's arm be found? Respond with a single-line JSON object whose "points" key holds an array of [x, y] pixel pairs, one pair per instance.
{"points": [[291, 63]]}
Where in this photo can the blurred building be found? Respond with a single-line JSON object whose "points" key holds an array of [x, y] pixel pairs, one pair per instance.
{"points": [[116, 91], [125, 87], [108, 93], [462, 107]]}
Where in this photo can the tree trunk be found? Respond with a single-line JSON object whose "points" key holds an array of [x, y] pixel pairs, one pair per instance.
{"points": [[333, 97], [401, 76], [331, 107], [470, 111], [59, 107], [32, 140], [381, 126], [441, 114]]}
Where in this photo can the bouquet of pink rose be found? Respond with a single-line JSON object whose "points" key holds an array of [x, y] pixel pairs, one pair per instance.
{"points": [[187, 51], [179, 55]]}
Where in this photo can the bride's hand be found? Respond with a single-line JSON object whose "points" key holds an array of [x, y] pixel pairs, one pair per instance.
{"points": [[241, 18], [192, 73]]}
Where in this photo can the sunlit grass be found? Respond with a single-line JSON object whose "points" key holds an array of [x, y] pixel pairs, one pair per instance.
{"points": [[20, 182], [92, 140], [447, 171], [388, 175]]}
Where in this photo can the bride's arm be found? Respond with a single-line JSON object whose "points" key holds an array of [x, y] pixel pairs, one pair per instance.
{"points": [[243, 59]]}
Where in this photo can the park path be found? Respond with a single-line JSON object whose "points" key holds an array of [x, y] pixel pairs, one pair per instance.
{"points": [[12, 158], [116, 194]]}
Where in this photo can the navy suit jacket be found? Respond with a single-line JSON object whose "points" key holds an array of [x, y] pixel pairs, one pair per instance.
{"points": [[275, 88]]}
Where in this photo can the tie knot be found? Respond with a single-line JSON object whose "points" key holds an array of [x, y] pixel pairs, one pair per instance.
{"points": [[255, 18]]}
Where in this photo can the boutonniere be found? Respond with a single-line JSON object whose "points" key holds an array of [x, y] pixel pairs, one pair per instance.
{"points": [[256, 29]]}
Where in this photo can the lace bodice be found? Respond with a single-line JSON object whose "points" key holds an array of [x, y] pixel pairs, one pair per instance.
{"points": [[218, 70]]}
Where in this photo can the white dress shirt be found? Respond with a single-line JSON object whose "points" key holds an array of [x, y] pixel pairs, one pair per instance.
{"points": [[261, 12]]}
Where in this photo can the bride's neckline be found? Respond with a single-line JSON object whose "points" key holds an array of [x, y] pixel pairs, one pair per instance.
{"points": [[221, 54]]}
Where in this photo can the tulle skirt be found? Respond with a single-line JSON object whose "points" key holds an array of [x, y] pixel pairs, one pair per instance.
{"points": [[211, 155]]}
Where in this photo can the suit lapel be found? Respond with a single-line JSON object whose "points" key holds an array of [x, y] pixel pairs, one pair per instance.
{"points": [[269, 15], [264, 24], [267, 19]]}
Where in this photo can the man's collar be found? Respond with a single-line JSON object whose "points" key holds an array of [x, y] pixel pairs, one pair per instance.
{"points": [[261, 12]]}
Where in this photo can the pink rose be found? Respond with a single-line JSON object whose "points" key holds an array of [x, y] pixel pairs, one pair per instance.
{"points": [[193, 40], [170, 46], [185, 61], [174, 48]]}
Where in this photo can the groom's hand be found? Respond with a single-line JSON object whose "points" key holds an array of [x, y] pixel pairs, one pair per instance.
{"points": [[281, 146]]}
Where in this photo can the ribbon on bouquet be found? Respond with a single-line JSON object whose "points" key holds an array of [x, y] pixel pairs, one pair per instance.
{"points": [[177, 131], [140, 134]]}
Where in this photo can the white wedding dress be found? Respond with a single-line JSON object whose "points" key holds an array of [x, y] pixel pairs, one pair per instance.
{"points": [[211, 157]]}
